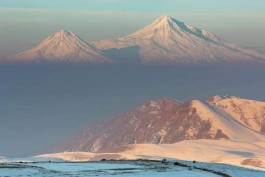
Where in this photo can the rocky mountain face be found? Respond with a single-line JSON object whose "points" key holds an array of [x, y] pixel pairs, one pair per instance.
{"points": [[168, 40], [166, 121], [61, 46]]}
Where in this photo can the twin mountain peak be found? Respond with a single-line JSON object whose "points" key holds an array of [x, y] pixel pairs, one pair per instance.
{"points": [[165, 41]]}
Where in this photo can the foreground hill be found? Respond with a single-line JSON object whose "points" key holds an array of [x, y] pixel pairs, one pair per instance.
{"points": [[239, 153], [166, 121]]}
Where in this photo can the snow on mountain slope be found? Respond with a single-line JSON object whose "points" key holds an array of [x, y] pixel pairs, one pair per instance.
{"points": [[88, 156], [170, 41], [164, 122], [249, 112], [239, 153], [227, 124], [251, 155], [61, 46]]}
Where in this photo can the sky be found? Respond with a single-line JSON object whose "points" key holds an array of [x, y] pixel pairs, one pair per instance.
{"points": [[24, 23]]}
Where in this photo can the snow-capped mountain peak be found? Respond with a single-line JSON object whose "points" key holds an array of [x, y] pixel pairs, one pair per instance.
{"points": [[167, 27], [164, 18], [63, 33], [167, 40], [163, 21], [164, 41], [62, 46]]}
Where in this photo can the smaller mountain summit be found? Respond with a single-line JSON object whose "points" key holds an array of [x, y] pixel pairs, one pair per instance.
{"points": [[62, 46]]}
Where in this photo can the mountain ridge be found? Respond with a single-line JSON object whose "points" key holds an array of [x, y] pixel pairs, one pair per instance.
{"points": [[164, 41], [165, 121]]}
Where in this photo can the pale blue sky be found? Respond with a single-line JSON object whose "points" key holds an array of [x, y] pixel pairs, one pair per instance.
{"points": [[24, 23]]}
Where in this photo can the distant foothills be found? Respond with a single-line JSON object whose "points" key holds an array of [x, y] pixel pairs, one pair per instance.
{"points": [[165, 41]]}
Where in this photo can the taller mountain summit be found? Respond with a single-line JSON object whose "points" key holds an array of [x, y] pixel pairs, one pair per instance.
{"points": [[168, 40]]}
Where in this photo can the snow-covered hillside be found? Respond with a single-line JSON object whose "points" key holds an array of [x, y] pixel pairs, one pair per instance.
{"points": [[239, 153], [168, 40], [248, 112], [220, 129], [166, 122], [61, 46]]}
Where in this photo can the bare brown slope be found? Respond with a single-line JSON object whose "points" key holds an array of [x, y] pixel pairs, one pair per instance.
{"points": [[160, 121]]}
